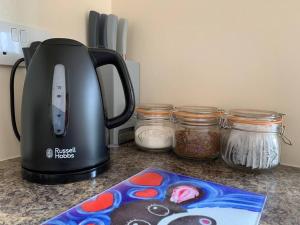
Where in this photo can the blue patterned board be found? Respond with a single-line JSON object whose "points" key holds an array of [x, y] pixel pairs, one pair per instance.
{"points": [[158, 197]]}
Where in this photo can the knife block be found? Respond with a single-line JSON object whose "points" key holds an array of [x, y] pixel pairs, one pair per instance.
{"points": [[114, 100]]}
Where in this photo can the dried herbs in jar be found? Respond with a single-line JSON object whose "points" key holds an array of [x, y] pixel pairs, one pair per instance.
{"points": [[197, 134]]}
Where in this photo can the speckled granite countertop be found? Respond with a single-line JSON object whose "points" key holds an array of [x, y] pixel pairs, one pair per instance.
{"points": [[22, 202]]}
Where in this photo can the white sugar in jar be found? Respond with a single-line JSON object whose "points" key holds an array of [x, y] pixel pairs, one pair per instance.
{"points": [[154, 130], [154, 137]]}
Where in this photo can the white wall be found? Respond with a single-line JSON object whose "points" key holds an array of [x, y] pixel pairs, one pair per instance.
{"points": [[226, 53], [229, 54], [61, 18]]}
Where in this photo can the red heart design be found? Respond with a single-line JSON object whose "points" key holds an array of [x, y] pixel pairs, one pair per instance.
{"points": [[147, 179], [148, 193], [102, 202]]}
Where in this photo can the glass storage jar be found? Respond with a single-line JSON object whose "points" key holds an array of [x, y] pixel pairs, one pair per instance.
{"points": [[154, 130], [252, 138], [197, 133]]}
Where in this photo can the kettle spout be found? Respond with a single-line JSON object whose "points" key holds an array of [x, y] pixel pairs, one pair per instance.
{"points": [[29, 52]]}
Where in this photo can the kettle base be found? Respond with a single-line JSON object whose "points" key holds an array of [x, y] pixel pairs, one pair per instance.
{"points": [[62, 178]]}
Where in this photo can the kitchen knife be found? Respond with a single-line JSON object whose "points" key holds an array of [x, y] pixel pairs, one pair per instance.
{"points": [[102, 36], [122, 37], [93, 29], [112, 29]]}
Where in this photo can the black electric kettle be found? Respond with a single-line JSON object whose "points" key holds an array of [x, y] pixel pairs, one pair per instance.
{"points": [[62, 116]]}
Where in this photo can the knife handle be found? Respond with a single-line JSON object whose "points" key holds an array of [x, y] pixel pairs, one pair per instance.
{"points": [[93, 32], [112, 29], [122, 37], [102, 31]]}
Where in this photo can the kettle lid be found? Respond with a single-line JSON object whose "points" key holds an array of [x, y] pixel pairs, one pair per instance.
{"points": [[62, 41]]}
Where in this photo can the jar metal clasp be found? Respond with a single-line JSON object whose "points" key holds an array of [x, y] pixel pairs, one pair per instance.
{"points": [[284, 138], [223, 120]]}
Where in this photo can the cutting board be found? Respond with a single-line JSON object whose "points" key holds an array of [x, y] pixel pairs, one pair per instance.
{"points": [[158, 197]]}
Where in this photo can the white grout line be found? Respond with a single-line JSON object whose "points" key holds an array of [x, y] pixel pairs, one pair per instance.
{"points": [[291, 165], [11, 157], [17, 156]]}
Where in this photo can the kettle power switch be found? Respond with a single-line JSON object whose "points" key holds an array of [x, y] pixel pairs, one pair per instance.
{"points": [[59, 99]]}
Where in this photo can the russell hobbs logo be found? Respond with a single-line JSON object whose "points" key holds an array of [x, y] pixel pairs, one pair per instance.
{"points": [[49, 153], [61, 153]]}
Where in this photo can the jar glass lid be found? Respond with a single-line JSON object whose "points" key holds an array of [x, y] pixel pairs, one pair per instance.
{"points": [[198, 114], [253, 116], [155, 110]]}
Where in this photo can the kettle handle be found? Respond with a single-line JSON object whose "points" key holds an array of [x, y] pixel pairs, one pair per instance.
{"points": [[12, 97], [101, 57], [28, 53]]}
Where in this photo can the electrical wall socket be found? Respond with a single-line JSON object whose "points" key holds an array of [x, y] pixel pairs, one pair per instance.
{"points": [[14, 37]]}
